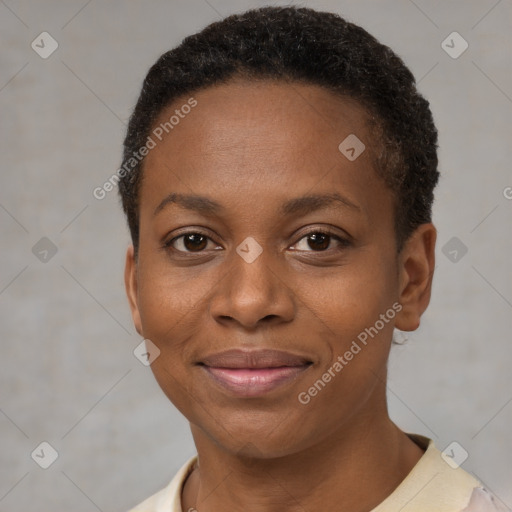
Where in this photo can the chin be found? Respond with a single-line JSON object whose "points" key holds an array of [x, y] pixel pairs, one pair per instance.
{"points": [[249, 438]]}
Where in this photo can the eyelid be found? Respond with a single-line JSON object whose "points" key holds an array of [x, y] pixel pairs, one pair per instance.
{"points": [[327, 229], [189, 230], [344, 238]]}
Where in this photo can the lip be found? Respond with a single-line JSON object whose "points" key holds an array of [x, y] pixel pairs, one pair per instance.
{"points": [[263, 358], [253, 373]]}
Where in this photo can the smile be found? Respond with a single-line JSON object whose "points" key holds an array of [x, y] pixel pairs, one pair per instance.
{"points": [[248, 382], [254, 373]]}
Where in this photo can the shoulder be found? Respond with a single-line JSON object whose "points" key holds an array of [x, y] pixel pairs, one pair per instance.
{"points": [[437, 482], [169, 498]]}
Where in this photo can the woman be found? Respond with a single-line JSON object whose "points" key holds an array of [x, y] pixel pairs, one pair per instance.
{"points": [[278, 180]]}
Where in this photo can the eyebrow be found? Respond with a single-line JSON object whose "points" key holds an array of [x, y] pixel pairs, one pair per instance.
{"points": [[306, 204], [297, 206], [199, 204]]}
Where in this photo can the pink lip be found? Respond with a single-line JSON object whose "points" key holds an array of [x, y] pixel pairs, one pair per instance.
{"points": [[251, 382], [261, 358], [253, 373]]}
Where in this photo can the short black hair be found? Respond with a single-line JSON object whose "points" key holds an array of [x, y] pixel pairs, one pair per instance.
{"points": [[300, 45]]}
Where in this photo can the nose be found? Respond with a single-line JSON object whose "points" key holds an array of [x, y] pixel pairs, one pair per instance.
{"points": [[252, 294]]}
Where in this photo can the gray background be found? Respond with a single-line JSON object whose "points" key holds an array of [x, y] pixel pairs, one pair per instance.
{"points": [[68, 373]]}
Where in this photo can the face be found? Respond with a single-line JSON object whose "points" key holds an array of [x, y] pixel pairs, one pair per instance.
{"points": [[258, 236]]}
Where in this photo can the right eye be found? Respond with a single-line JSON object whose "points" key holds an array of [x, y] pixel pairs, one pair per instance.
{"points": [[190, 242]]}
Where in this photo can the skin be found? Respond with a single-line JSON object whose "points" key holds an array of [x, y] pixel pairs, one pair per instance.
{"points": [[251, 147]]}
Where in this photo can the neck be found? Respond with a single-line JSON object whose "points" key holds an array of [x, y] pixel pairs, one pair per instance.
{"points": [[354, 469]]}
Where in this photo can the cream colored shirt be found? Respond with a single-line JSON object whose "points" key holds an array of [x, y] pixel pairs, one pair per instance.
{"points": [[431, 486]]}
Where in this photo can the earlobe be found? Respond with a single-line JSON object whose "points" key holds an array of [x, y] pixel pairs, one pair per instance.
{"points": [[416, 269], [131, 286]]}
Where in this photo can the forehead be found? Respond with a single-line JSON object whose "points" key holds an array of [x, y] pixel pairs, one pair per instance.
{"points": [[241, 109], [268, 137]]}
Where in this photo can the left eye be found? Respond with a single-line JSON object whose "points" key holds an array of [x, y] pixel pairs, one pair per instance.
{"points": [[318, 241]]}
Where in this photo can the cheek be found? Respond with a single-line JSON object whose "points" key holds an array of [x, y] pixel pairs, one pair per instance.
{"points": [[353, 297], [173, 304], [356, 316], [354, 313], [164, 307], [168, 320], [171, 298]]}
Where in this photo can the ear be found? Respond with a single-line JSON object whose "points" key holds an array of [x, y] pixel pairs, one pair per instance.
{"points": [[131, 285], [416, 269]]}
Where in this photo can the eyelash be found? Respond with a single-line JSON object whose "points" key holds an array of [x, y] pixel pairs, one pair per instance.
{"points": [[343, 242]]}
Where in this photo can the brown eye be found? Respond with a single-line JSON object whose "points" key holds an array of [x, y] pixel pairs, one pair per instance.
{"points": [[189, 242], [319, 241], [195, 242]]}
